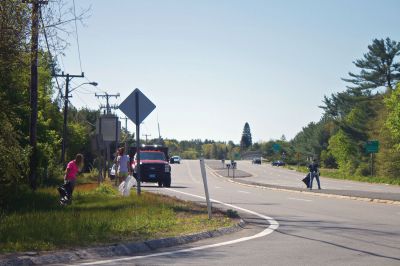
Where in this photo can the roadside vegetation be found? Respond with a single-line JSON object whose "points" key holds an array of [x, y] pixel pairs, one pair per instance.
{"points": [[34, 221]]}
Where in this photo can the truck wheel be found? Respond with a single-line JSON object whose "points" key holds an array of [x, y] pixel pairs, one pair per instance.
{"points": [[160, 183], [167, 181]]}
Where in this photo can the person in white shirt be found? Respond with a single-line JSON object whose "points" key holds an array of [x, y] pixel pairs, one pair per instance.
{"points": [[123, 167]]}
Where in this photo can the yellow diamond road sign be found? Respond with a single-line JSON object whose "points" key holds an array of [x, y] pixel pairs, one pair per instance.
{"points": [[137, 103]]}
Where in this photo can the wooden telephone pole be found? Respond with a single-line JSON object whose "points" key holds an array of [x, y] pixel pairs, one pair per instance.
{"points": [[34, 90]]}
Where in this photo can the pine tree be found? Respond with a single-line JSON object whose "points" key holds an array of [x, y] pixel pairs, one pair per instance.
{"points": [[378, 67], [246, 140]]}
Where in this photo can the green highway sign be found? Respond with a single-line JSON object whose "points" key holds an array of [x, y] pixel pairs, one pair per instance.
{"points": [[372, 146], [276, 147]]}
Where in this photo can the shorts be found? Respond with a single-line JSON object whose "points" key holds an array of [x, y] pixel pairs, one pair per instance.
{"points": [[122, 174]]}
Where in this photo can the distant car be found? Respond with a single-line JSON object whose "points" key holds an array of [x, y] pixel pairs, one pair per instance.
{"points": [[256, 161], [175, 159], [278, 163]]}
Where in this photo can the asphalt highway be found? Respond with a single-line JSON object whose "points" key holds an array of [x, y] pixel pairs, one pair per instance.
{"points": [[282, 227]]}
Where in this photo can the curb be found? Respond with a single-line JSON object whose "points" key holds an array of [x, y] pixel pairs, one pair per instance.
{"points": [[327, 195], [122, 249]]}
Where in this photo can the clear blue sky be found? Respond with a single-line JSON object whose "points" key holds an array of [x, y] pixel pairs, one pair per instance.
{"points": [[211, 66]]}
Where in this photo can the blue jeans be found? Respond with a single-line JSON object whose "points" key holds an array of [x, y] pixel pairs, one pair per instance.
{"points": [[312, 175]]}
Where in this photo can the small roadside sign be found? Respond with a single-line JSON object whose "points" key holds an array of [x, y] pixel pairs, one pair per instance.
{"points": [[372, 146], [144, 108], [276, 147]]}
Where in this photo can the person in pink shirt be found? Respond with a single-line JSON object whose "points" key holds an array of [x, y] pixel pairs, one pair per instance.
{"points": [[71, 171]]}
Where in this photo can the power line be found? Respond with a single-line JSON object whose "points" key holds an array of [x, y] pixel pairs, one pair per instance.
{"points": [[107, 96], [77, 36], [48, 49]]}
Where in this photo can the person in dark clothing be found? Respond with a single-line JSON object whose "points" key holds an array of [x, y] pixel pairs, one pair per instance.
{"points": [[313, 167]]}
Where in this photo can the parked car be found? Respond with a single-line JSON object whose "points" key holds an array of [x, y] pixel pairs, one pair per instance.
{"points": [[278, 163], [256, 161], [175, 159]]}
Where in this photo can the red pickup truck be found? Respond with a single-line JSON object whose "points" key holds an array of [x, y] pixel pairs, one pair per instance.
{"points": [[154, 165]]}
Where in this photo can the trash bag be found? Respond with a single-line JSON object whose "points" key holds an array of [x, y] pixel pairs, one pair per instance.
{"points": [[121, 188], [113, 172], [65, 191], [126, 186], [306, 180]]}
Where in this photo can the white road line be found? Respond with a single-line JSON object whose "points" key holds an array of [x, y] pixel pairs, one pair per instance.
{"points": [[299, 199], [191, 175], [273, 225], [241, 191], [217, 187]]}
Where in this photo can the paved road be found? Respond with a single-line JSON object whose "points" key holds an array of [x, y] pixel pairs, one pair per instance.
{"points": [[312, 230], [271, 176], [283, 177]]}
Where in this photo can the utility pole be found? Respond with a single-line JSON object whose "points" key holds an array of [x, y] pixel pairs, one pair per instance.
{"points": [[34, 90], [146, 135], [126, 128], [68, 78], [108, 107], [159, 133]]}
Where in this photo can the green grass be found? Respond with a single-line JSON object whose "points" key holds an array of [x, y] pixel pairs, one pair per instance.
{"points": [[98, 215], [334, 173]]}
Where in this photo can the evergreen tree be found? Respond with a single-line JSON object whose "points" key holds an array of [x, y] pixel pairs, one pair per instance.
{"points": [[378, 67], [246, 140]]}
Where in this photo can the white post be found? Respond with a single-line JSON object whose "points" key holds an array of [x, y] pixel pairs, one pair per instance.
{"points": [[203, 173]]}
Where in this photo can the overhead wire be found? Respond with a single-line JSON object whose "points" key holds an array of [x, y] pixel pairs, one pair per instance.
{"points": [[77, 36], [50, 54]]}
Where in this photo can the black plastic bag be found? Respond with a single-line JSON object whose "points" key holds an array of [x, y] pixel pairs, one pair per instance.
{"points": [[306, 180]]}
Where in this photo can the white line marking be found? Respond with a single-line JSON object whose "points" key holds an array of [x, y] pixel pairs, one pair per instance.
{"points": [[191, 175], [299, 199], [241, 191], [217, 187], [273, 225]]}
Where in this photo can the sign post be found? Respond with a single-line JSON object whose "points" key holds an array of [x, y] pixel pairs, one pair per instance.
{"points": [[371, 147], [137, 107], [204, 175]]}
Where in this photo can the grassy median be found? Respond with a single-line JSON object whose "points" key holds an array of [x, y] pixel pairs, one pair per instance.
{"points": [[35, 221]]}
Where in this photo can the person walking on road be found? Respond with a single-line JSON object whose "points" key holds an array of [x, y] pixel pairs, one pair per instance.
{"points": [[313, 167], [123, 167], [71, 171]]}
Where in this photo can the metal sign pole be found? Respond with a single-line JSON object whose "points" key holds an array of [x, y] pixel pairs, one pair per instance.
{"points": [[137, 143], [203, 174], [372, 164]]}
